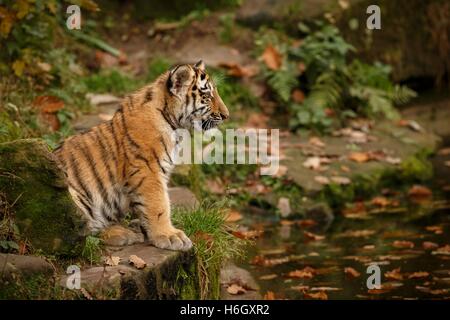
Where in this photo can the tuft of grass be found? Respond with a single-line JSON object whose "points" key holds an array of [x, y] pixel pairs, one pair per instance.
{"points": [[92, 250], [213, 241], [111, 81]]}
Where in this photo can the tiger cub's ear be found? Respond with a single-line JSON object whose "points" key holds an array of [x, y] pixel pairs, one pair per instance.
{"points": [[200, 65], [179, 80]]}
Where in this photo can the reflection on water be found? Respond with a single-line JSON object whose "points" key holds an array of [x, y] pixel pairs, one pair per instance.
{"points": [[294, 262]]}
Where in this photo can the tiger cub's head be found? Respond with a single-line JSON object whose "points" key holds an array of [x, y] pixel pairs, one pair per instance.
{"points": [[198, 104]]}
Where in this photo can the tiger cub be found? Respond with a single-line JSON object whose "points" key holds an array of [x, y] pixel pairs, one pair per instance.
{"points": [[124, 164]]}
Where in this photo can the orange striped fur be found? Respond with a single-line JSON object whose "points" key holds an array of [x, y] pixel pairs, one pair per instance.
{"points": [[125, 164]]}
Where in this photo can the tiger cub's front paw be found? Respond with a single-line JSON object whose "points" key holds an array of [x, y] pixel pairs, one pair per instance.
{"points": [[172, 240]]}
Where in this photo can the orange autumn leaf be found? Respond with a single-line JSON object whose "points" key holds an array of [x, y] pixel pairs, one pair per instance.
{"points": [[403, 244], [305, 273], [233, 216], [418, 275], [351, 272], [269, 295], [321, 295], [359, 157], [272, 58], [48, 104], [394, 274]]}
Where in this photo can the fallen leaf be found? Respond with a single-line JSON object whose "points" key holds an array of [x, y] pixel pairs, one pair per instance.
{"points": [[236, 70], [112, 261], [418, 275], [435, 229], [233, 216], [300, 288], [270, 295], [305, 223], [284, 207], [298, 96], [268, 276], [351, 272], [262, 261], [313, 236], [235, 289], [394, 274], [86, 294], [215, 186], [380, 201], [419, 193], [282, 170], [316, 142], [356, 234], [250, 234], [312, 163], [401, 244], [447, 163], [393, 160], [325, 289], [137, 262], [444, 152], [48, 104], [431, 291], [321, 295], [272, 58], [305, 273], [359, 157], [428, 245], [340, 180], [322, 180], [445, 250]]}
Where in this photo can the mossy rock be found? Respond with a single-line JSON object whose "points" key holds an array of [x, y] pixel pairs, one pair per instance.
{"points": [[43, 209]]}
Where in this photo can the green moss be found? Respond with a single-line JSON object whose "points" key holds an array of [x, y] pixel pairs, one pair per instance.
{"points": [[35, 287], [43, 209]]}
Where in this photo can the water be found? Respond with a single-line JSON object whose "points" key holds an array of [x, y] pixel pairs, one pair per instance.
{"points": [[343, 248]]}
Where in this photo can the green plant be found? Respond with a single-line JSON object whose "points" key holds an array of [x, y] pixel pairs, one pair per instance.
{"points": [[213, 243], [336, 89], [156, 67], [9, 233], [92, 250]]}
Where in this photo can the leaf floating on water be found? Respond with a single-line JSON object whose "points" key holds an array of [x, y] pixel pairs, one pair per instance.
{"points": [[428, 245], [313, 236], [432, 291], [394, 274], [246, 235], [418, 275], [356, 233], [419, 193], [401, 244], [445, 250], [321, 295], [300, 288], [268, 276], [325, 289], [435, 229], [137, 262], [305, 273], [351, 272], [262, 261]]}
